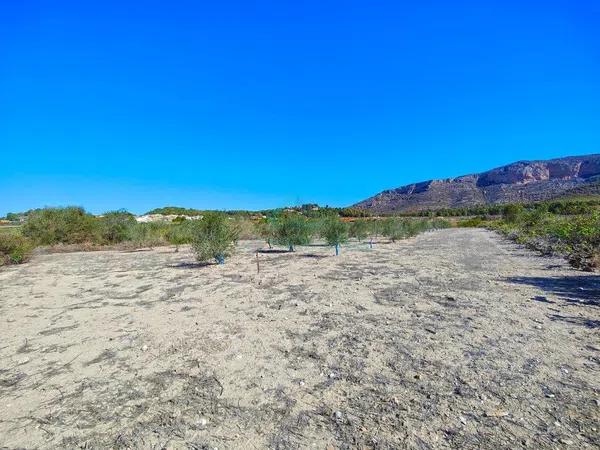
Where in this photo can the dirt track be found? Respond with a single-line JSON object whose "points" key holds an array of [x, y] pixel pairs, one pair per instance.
{"points": [[454, 339]]}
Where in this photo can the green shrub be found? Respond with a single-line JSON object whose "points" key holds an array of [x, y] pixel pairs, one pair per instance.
{"points": [[473, 222], [180, 234], [395, 229], [69, 225], [114, 226], [359, 229], [267, 229], [14, 248], [335, 232], [247, 228], [292, 230], [511, 213], [149, 234], [214, 237], [577, 237]]}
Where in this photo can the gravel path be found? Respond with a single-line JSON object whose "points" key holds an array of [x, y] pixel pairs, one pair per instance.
{"points": [[453, 339]]}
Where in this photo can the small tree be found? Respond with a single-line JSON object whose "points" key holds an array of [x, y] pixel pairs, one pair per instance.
{"points": [[267, 229], [292, 230], [395, 229], [214, 236], [335, 232], [359, 229]]}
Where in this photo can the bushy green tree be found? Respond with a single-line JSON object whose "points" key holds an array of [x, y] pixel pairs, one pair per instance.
{"points": [[214, 237], [292, 230], [13, 217], [70, 225], [396, 228], [359, 229], [335, 232], [115, 225], [393, 228]]}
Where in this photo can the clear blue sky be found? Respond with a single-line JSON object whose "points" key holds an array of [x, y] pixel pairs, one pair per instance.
{"points": [[122, 104]]}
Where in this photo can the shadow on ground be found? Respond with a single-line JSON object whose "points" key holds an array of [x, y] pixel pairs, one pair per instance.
{"points": [[582, 290], [581, 321], [192, 265], [575, 290]]}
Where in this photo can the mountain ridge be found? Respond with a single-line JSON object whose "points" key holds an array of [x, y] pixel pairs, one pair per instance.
{"points": [[517, 182]]}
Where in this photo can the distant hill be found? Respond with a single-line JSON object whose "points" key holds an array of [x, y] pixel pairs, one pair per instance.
{"points": [[175, 211], [519, 182]]}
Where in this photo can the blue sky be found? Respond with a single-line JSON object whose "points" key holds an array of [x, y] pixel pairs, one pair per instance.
{"points": [[261, 104]]}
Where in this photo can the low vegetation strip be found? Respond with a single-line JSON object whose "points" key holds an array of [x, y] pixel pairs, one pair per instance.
{"points": [[569, 231], [212, 235], [576, 237]]}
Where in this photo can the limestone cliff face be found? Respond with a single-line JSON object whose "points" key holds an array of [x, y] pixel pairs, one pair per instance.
{"points": [[522, 181]]}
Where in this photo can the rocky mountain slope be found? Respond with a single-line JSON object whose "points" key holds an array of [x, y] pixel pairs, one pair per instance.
{"points": [[522, 181]]}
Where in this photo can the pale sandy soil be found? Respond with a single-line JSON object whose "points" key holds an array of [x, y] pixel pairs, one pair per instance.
{"points": [[454, 339]]}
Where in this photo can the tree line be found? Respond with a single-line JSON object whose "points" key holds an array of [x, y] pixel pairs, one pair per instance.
{"points": [[213, 236]]}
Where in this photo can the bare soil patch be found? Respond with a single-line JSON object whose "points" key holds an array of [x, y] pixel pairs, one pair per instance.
{"points": [[453, 339]]}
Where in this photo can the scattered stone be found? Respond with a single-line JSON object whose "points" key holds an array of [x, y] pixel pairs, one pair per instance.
{"points": [[332, 375], [202, 422], [338, 415], [496, 413], [145, 348]]}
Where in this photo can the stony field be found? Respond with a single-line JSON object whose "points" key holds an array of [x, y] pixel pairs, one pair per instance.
{"points": [[453, 339]]}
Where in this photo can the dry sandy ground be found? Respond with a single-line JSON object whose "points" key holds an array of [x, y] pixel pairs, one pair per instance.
{"points": [[454, 339]]}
